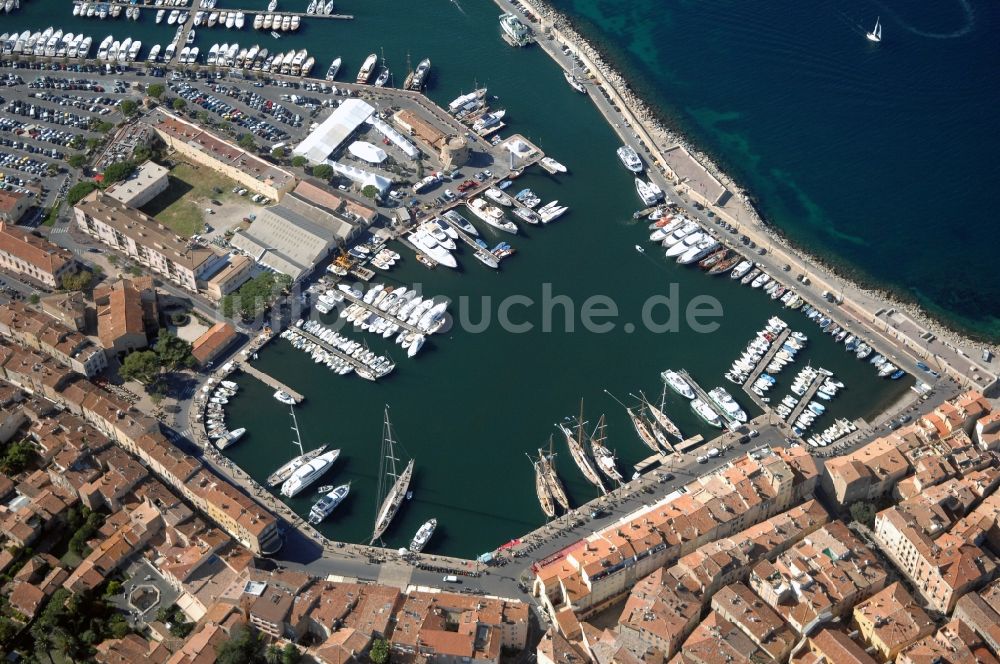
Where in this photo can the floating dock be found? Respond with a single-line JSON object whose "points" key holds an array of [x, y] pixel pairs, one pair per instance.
{"points": [[270, 381]]}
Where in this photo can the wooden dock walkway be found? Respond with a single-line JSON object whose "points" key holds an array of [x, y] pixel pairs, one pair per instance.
{"points": [[806, 397], [688, 443], [270, 381], [382, 314], [357, 364], [764, 361], [703, 395]]}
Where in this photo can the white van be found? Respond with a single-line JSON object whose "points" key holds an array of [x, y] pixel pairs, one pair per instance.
{"points": [[451, 578]]}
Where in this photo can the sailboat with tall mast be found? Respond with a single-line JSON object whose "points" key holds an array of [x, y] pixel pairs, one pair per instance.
{"points": [[575, 441], [552, 480], [392, 486], [660, 416], [281, 474], [604, 457], [642, 429], [545, 498], [876, 34]]}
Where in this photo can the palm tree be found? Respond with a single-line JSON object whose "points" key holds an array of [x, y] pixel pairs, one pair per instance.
{"points": [[272, 655]]}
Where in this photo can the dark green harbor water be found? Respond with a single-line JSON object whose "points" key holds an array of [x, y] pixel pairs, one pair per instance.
{"points": [[471, 406]]}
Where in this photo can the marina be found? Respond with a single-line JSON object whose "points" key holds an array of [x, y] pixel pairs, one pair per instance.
{"points": [[608, 199]]}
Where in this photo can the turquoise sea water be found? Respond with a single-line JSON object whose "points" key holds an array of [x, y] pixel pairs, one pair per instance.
{"points": [[474, 403], [880, 158]]}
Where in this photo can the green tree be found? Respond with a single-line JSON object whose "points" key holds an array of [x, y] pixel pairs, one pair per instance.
{"points": [[118, 171], [76, 160], [78, 541], [322, 171], [141, 153], [272, 654], [379, 653], [290, 654], [128, 107], [370, 191], [298, 161], [34, 298], [79, 190], [8, 630], [17, 457], [101, 126], [243, 646], [246, 142], [142, 366], [178, 104], [204, 117], [863, 512], [173, 352], [155, 90], [279, 153], [255, 296], [77, 281], [118, 626], [114, 587]]}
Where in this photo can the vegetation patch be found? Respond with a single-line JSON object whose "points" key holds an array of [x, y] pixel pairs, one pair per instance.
{"points": [[191, 189]]}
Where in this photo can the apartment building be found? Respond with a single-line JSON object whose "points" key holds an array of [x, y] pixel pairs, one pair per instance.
{"points": [[38, 330], [146, 241], [23, 253], [204, 147]]}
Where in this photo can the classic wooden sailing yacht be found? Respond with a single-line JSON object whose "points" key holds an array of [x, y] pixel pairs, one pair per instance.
{"points": [[392, 486], [576, 449]]}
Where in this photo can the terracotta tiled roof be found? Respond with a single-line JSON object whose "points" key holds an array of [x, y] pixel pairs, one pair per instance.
{"points": [[211, 342], [44, 255]]}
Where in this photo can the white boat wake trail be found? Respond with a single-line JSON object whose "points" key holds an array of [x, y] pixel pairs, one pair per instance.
{"points": [[970, 23], [455, 2]]}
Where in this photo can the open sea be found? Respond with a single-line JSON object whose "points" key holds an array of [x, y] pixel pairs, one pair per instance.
{"points": [[879, 157]]}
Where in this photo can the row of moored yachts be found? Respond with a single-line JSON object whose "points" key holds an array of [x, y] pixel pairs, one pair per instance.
{"points": [[48, 42], [807, 377], [103, 10], [853, 344], [296, 63], [215, 416], [758, 348], [392, 312], [337, 352], [723, 401], [687, 242]]}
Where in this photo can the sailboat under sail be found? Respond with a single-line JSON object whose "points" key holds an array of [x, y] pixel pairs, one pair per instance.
{"points": [[876, 34]]}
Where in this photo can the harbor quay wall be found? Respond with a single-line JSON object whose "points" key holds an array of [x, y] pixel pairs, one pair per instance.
{"points": [[897, 328]]}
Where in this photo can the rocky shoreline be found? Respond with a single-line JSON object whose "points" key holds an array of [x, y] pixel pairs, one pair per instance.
{"points": [[653, 124]]}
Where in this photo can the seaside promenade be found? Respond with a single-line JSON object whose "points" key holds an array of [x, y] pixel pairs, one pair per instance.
{"points": [[888, 327]]}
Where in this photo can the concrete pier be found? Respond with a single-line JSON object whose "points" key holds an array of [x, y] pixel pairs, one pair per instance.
{"points": [[270, 381]]}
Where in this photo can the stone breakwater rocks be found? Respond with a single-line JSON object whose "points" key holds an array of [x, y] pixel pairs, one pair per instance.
{"points": [[564, 31], [557, 24]]}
